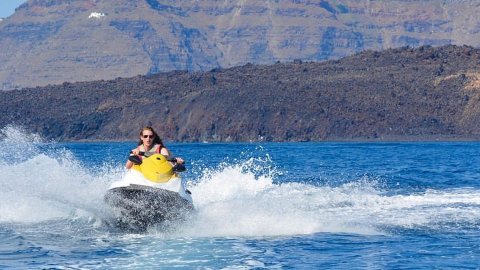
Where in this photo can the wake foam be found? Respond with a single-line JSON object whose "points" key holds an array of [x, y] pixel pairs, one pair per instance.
{"points": [[234, 201], [41, 182]]}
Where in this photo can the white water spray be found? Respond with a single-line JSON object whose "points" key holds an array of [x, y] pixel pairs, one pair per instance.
{"points": [[43, 185], [235, 199]]}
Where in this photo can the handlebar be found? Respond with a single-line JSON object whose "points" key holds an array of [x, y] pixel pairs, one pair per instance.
{"points": [[173, 159]]}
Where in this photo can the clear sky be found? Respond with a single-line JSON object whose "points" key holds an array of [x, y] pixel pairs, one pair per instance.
{"points": [[7, 7]]}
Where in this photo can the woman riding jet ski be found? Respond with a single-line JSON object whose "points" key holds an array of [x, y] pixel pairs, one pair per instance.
{"points": [[151, 192]]}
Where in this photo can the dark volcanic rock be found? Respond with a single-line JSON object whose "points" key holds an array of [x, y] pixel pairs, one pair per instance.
{"points": [[396, 94]]}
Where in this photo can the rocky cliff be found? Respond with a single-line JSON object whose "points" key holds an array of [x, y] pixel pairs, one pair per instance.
{"points": [[423, 93], [53, 41]]}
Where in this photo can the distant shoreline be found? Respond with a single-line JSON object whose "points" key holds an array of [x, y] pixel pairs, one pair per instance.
{"points": [[392, 139]]}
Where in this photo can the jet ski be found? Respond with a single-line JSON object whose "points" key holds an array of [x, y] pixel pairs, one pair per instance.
{"points": [[151, 193]]}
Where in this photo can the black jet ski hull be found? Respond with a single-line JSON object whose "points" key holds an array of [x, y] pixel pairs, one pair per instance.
{"points": [[136, 208]]}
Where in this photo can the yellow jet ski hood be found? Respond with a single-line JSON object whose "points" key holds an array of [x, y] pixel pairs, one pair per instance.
{"points": [[156, 168]]}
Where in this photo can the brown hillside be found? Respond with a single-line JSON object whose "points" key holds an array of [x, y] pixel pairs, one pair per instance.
{"points": [[52, 41]]}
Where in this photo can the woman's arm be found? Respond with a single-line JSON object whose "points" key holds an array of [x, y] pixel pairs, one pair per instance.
{"points": [[129, 164], [164, 151]]}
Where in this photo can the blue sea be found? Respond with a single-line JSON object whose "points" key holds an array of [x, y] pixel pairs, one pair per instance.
{"points": [[325, 205]]}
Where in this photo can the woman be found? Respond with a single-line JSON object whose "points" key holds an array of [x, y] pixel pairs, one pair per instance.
{"points": [[149, 144]]}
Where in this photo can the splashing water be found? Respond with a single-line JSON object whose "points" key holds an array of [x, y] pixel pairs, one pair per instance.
{"points": [[233, 201], [42, 182], [39, 185]]}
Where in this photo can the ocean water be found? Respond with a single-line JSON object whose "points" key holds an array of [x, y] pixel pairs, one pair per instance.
{"points": [[322, 205]]}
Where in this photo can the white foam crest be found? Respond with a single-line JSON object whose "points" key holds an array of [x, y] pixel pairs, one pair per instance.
{"points": [[433, 209], [233, 201], [229, 182], [15, 142], [40, 186]]}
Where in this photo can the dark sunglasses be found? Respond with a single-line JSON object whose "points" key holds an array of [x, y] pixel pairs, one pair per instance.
{"points": [[148, 136]]}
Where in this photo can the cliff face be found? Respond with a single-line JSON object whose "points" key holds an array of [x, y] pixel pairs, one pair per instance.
{"points": [[396, 94], [52, 41]]}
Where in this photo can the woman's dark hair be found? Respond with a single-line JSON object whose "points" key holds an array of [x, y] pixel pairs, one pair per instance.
{"points": [[156, 138]]}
